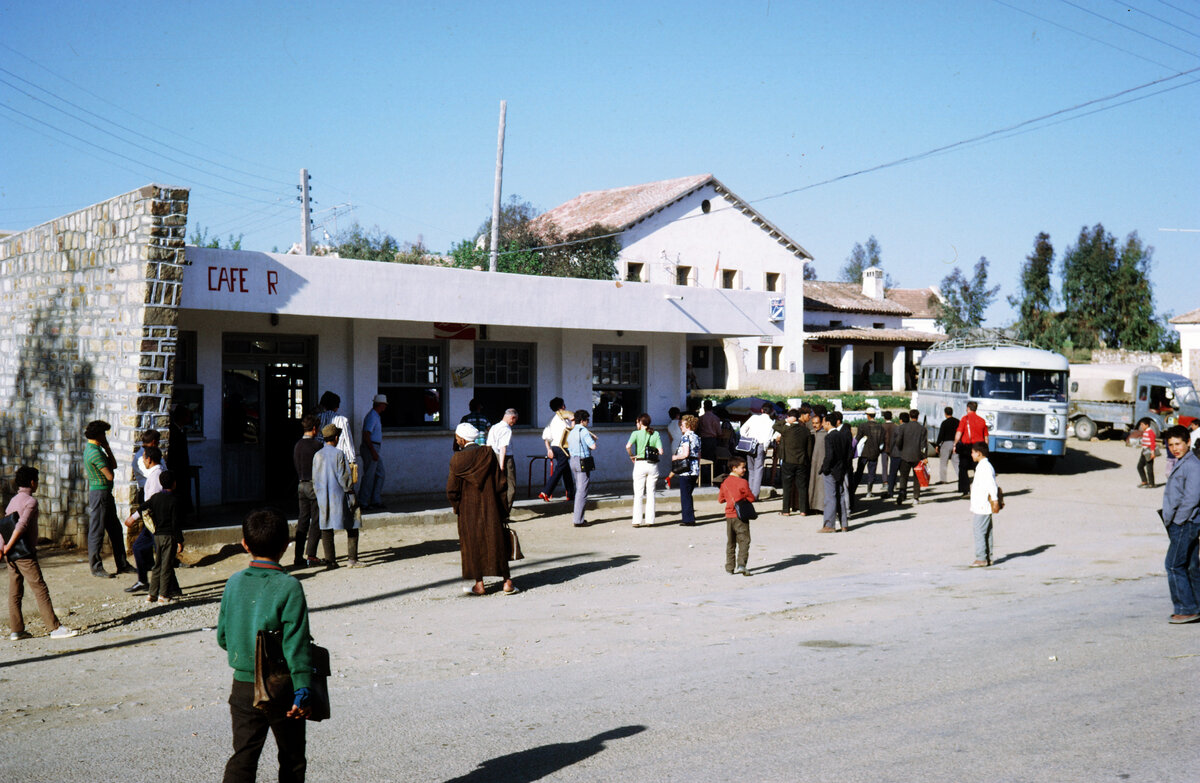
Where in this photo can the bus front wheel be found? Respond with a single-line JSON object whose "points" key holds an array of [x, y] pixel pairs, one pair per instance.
{"points": [[1085, 428]]}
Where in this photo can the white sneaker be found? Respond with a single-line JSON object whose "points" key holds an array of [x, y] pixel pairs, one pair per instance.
{"points": [[17, 636], [63, 632]]}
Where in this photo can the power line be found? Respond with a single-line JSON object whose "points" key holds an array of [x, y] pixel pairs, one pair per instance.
{"points": [[120, 108], [1130, 29], [1084, 35], [1180, 10], [93, 125], [121, 155], [1157, 18]]}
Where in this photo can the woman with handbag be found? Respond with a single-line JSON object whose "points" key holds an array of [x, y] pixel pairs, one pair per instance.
{"points": [[685, 466], [644, 448], [580, 445]]}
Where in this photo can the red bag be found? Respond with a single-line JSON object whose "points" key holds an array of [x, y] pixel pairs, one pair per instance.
{"points": [[921, 471]]}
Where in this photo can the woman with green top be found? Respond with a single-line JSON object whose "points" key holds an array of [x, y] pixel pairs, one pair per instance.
{"points": [[644, 449]]}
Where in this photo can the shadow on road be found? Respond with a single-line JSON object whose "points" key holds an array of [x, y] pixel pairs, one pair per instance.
{"points": [[537, 763], [857, 523], [565, 573], [1037, 550], [794, 560]]}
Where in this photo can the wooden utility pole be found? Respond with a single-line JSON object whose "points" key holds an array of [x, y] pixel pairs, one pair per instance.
{"points": [[492, 263]]}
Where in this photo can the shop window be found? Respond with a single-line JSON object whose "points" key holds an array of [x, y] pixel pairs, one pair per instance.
{"points": [[411, 375], [504, 379], [617, 384], [773, 281]]}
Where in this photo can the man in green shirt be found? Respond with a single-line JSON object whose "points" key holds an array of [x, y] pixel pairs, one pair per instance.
{"points": [[99, 464]]}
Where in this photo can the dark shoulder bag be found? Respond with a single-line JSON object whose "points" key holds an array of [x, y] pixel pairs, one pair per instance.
{"points": [[273, 680], [20, 550], [745, 510], [651, 454]]}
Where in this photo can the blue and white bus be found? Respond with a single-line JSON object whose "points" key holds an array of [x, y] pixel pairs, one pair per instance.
{"points": [[1021, 392]]}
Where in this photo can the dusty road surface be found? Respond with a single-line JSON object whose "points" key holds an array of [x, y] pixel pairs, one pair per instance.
{"points": [[629, 654]]}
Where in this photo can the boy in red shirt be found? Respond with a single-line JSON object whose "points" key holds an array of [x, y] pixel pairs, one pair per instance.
{"points": [[737, 531], [1149, 444]]}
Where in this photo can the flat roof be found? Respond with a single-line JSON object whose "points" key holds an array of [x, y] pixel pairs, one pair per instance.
{"points": [[254, 282]]}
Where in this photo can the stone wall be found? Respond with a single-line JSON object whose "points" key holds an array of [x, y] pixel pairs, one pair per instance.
{"points": [[89, 304], [1167, 362]]}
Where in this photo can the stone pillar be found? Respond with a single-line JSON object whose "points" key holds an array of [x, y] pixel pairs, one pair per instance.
{"points": [[846, 368], [90, 303], [898, 355]]}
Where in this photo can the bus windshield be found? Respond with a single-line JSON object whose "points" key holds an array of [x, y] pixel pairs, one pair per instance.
{"points": [[995, 383]]}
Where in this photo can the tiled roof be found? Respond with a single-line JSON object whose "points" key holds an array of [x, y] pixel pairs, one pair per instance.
{"points": [[621, 208], [847, 298], [862, 335], [922, 302], [1187, 318]]}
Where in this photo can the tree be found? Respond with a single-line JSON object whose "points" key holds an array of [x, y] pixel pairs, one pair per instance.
{"points": [[542, 250], [200, 238], [1037, 322], [863, 257], [1107, 296], [810, 271], [965, 301], [373, 245]]}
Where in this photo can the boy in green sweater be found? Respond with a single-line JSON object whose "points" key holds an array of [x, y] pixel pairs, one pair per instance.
{"points": [[265, 597]]}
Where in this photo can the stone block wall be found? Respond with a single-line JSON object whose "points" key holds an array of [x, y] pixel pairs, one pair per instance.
{"points": [[1167, 362], [89, 304]]}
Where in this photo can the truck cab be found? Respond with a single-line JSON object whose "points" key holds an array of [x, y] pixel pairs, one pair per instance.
{"points": [[1164, 397]]}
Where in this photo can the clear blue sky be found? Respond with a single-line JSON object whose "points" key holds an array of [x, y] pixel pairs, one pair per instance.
{"points": [[393, 108]]}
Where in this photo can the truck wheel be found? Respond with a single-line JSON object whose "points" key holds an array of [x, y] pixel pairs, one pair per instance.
{"points": [[1085, 428]]}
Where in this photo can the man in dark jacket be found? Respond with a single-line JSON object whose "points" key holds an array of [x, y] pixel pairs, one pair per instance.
{"points": [[795, 448], [870, 435], [910, 445], [945, 445], [834, 471], [889, 464]]}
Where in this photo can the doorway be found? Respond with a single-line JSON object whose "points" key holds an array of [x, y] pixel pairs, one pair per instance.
{"points": [[266, 386]]}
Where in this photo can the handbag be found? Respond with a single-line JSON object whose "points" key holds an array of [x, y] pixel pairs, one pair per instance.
{"points": [[587, 464], [745, 510], [651, 454], [679, 466], [514, 544], [746, 445], [20, 550], [273, 681], [998, 501]]}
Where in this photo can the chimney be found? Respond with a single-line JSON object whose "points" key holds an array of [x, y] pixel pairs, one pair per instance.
{"points": [[873, 283]]}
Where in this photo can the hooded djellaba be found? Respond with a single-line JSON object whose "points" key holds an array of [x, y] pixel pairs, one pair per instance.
{"points": [[476, 491]]}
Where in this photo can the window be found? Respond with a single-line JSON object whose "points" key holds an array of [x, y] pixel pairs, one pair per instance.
{"points": [[633, 273], [706, 206], [504, 379], [772, 281], [410, 374], [683, 275], [835, 324], [877, 325], [776, 357], [185, 358], [729, 278], [762, 357], [616, 384]]}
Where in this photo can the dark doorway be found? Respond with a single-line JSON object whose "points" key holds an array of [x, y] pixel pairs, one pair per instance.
{"points": [[720, 370], [835, 367], [266, 387]]}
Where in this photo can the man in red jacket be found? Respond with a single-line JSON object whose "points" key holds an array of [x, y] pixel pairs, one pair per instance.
{"points": [[971, 429]]}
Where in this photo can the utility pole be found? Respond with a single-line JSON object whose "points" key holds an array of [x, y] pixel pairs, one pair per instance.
{"points": [[305, 208], [496, 195]]}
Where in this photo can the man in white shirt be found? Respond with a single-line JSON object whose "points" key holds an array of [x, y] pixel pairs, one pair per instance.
{"points": [[760, 427], [555, 436], [499, 438], [983, 491]]}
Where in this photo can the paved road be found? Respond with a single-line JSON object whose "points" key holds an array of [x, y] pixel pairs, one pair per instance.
{"points": [[874, 655]]}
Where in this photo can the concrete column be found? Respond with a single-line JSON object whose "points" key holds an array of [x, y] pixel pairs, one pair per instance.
{"points": [[898, 368], [846, 369]]}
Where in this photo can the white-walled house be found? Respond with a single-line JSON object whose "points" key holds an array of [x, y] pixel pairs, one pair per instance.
{"points": [[694, 232], [1188, 326], [853, 331], [262, 335]]}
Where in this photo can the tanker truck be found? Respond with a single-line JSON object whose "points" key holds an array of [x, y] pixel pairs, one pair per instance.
{"points": [[1118, 396]]}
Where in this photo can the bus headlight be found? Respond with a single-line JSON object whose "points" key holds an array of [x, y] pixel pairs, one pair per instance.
{"points": [[1054, 425], [990, 419]]}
